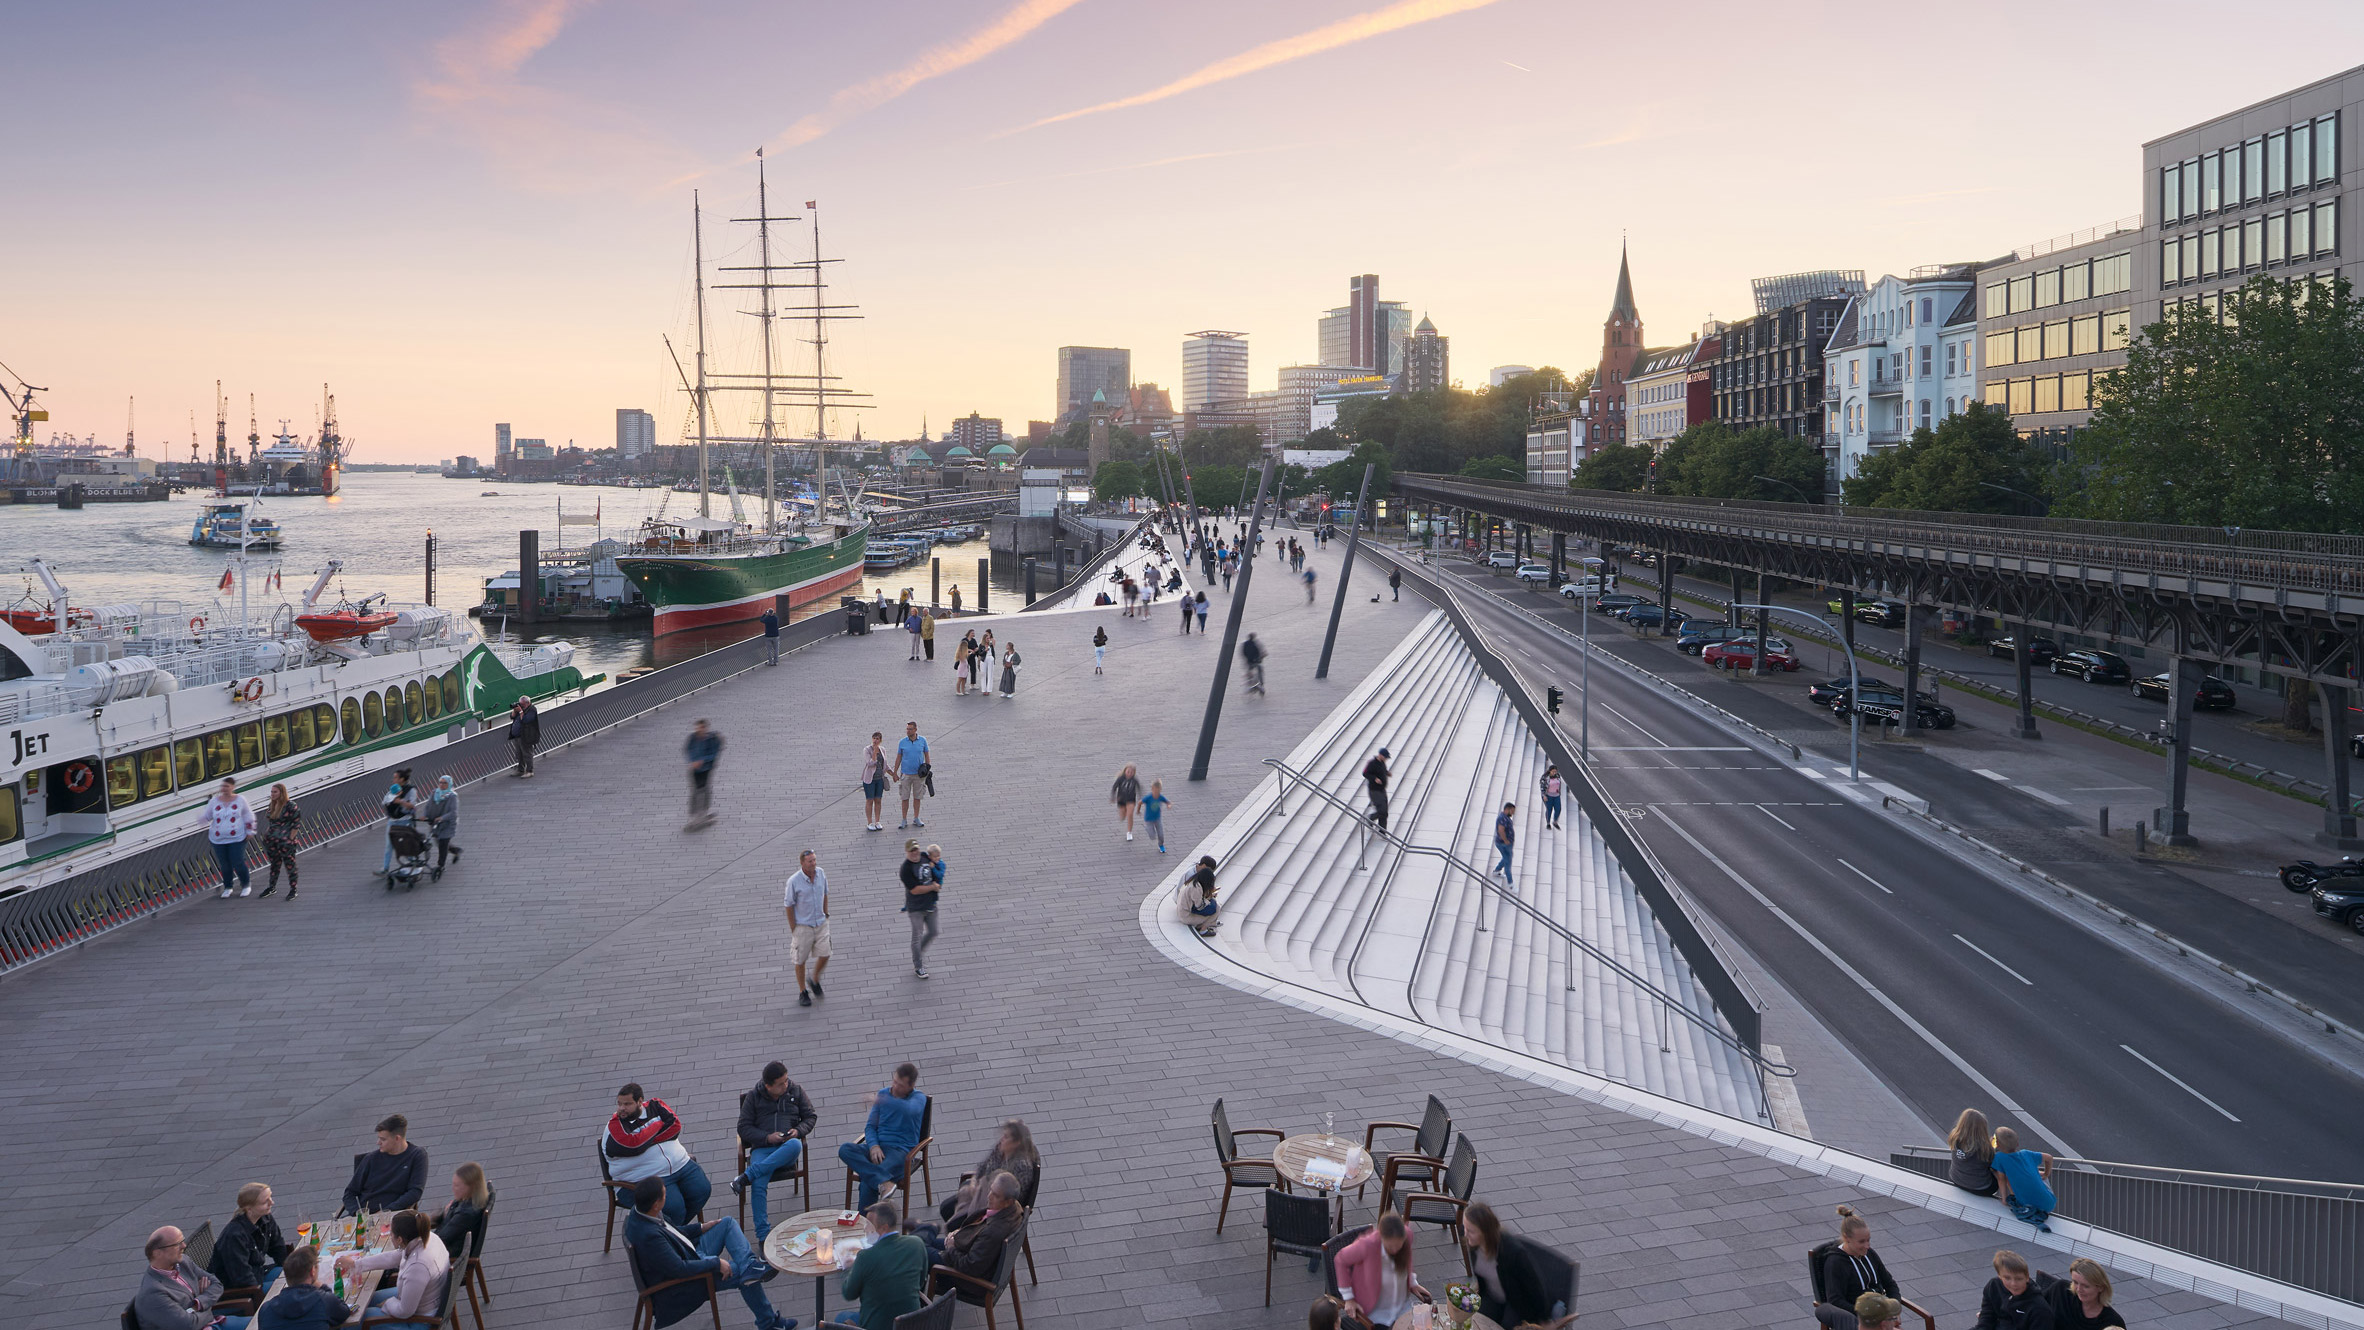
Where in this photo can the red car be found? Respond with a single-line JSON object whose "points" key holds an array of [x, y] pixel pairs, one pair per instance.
{"points": [[1742, 654]]}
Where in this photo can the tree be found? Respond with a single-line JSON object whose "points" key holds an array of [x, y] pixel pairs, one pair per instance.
{"points": [[1617, 466], [1343, 478], [1218, 487], [1716, 461], [1224, 445], [1118, 481], [2254, 421], [1493, 468], [1971, 463]]}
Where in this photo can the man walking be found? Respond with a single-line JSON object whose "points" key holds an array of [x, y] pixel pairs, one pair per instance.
{"points": [[1375, 780], [911, 773], [771, 635], [1251, 653], [920, 890], [1308, 580], [229, 820], [1395, 584], [1505, 835], [702, 751], [525, 735], [807, 906]]}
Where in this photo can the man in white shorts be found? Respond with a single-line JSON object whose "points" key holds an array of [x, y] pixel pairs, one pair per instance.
{"points": [[807, 905]]}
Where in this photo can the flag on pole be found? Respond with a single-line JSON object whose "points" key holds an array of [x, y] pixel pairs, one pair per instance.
{"points": [[226, 579], [810, 204]]}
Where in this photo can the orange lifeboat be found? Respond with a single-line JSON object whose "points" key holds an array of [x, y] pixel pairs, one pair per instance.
{"points": [[343, 622]]}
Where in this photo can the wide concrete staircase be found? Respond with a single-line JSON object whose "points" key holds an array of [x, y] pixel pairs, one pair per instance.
{"points": [[1312, 901]]}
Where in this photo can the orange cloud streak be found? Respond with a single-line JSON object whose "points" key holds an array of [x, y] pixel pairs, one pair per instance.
{"points": [[935, 62]]}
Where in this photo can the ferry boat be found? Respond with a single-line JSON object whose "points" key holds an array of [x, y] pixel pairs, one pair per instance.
{"points": [[118, 728], [226, 524]]}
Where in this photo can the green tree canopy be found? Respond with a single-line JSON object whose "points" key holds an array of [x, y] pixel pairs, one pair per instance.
{"points": [[1493, 468], [1343, 478], [2254, 421], [1118, 480], [1224, 445], [1218, 487], [1719, 462], [1971, 463], [1447, 428], [1615, 466]]}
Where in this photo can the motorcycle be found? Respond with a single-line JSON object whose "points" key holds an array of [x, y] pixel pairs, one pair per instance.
{"points": [[2305, 875]]}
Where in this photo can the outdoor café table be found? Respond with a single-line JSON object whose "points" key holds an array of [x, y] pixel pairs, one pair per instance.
{"points": [[375, 1237], [1322, 1163], [848, 1239]]}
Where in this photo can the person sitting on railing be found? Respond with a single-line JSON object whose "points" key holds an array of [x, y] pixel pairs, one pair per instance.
{"points": [[2020, 1174], [1198, 896], [1849, 1271], [2011, 1300], [1972, 1147], [2081, 1301]]}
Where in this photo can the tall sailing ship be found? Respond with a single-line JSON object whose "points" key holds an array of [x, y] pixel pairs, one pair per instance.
{"points": [[701, 571]]}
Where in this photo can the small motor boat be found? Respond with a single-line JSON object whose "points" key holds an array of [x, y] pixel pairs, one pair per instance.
{"points": [[346, 620]]}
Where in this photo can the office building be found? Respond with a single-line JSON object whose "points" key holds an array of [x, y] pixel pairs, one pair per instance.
{"points": [[534, 450], [1558, 441], [1084, 370], [1885, 367], [976, 433], [500, 442], [1365, 332], [1214, 368], [2053, 320], [636, 433], [1502, 374], [1427, 360], [1326, 401], [1291, 416], [1770, 368], [1668, 391]]}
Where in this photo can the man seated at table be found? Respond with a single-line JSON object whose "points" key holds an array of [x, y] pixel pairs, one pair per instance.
{"points": [[643, 1140], [303, 1304], [669, 1251], [889, 1277], [391, 1177], [774, 1119], [889, 1134], [975, 1248], [174, 1294]]}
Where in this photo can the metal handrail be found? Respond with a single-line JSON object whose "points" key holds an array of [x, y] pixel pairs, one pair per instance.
{"points": [[1667, 1001], [2250, 1181]]}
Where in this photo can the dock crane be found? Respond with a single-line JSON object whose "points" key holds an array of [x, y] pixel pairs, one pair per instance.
{"points": [[24, 415]]}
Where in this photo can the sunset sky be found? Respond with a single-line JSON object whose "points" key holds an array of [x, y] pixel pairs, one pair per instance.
{"points": [[458, 214]]}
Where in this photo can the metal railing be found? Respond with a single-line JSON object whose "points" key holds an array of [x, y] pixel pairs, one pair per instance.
{"points": [[1668, 1004], [2038, 249], [2304, 1233]]}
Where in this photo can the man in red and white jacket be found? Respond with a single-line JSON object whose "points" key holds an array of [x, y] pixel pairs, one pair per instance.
{"points": [[229, 820], [643, 1140]]}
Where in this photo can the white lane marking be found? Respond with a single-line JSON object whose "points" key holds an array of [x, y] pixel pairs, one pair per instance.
{"points": [[1809, 771], [2187, 1088], [2108, 789], [1991, 775], [1637, 725], [1927, 1035], [1991, 956], [1865, 876], [1775, 816], [1660, 748], [2045, 795]]}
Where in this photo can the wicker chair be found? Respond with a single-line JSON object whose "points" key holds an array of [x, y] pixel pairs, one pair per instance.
{"points": [[1238, 1172], [472, 1274], [1814, 1281], [1298, 1225], [1026, 1201], [1426, 1158], [447, 1312], [644, 1312], [1444, 1205], [918, 1157], [803, 1173], [935, 1315], [980, 1293], [617, 1194]]}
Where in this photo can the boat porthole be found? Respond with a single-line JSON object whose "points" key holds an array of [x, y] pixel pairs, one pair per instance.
{"points": [[393, 710], [413, 706], [451, 692], [434, 692], [373, 714]]}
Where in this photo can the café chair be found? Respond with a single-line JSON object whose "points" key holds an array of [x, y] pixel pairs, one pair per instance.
{"points": [[618, 1194], [447, 1312], [803, 1173], [979, 1293], [234, 1301], [1238, 1172], [918, 1158], [644, 1312], [1298, 1225], [200, 1248], [131, 1316], [1444, 1205], [472, 1275], [1814, 1259], [935, 1315], [1026, 1201], [1426, 1157]]}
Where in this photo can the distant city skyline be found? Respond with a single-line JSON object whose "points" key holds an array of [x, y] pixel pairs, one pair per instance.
{"points": [[462, 213]]}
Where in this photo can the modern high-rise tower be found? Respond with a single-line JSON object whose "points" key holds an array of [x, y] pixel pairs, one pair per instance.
{"points": [[1084, 370], [636, 433], [1214, 368]]}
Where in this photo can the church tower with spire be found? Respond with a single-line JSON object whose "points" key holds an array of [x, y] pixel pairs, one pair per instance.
{"points": [[1621, 345]]}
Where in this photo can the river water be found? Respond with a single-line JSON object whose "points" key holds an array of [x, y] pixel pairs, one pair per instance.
{"points": [[378, 524]]}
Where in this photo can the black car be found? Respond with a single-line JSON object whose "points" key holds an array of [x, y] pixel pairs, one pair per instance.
{"points": [[2342, 901], [2040, 650], [1650, 614], [1831, 692], [1886, 706], [1612, 604], [2214, 695], [1694, 643], [2093, 666], [1885, 613]]}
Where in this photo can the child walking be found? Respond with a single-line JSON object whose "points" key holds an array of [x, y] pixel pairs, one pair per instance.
{"points": [[1153, 813]]}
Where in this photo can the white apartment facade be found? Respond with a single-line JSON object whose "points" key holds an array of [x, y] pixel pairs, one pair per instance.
{"points": [[1904, 356]]}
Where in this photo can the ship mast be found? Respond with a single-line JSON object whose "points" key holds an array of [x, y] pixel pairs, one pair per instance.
{"points": [[763, 244], [698, 250]]}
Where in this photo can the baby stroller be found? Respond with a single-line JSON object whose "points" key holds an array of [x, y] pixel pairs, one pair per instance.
{"points": [[410, 856]]}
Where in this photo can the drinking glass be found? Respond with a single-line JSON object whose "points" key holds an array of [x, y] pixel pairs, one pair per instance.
{"points": [[1329, 1120]]}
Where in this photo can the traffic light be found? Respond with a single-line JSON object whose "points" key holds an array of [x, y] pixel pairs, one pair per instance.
{"points": [[1551, 700]]}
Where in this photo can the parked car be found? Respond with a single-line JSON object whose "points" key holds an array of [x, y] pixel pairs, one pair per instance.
{"points": [[1882, 612], [1697, 635], [1539, 573], [1579, 588], [2093, 666], [1649, 615], [1502, 559], [1741, 654], [2040, 650], [2215, 694], [2342, 902], [1614, 602], [1831, 692], [1886, 706]]}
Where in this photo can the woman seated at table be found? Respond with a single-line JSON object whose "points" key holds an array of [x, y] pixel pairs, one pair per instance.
{"points": [[1013, 1152], [1375, 1274], [421, 1266], [1520, 1281], [471, 1196], [303, 1304], [250, 1248]]}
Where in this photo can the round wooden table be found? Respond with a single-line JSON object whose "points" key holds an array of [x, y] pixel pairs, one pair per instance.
{"points": [[1293, 1158], [775, 1251]]}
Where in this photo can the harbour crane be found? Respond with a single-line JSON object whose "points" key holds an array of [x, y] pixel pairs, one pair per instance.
{"points": [[24, 415]]}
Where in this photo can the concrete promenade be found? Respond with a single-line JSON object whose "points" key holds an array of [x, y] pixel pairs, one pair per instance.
{"points": [[588, 940]]}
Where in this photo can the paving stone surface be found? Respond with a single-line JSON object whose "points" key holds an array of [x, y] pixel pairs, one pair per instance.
{"points": [[588, 939]]}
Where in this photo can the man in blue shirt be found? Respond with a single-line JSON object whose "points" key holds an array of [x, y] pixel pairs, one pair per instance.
{"points": [[702, 751], [911, 773], [1506, 835], [889, 1134], [771, 636]]}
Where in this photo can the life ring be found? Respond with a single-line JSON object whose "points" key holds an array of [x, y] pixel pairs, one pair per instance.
{"points": [[197, 626], [251, 690], [80, 776]]}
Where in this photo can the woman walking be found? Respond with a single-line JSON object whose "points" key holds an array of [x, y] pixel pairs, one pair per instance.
{"points": [[443, 822], [1199, 603], [1126, 795], [874, 781], [281, 818], [1009, 670], [1553, 788], [1100, 649], [1187, 607]]}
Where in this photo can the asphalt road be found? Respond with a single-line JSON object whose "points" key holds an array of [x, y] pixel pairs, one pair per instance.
{"points": [[1951, 986]]}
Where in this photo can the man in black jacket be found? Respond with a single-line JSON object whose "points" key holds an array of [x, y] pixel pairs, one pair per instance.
{"points": [[974, 1249], [774, 1119], [667, 1251], [1375, 778], [390, 1177], [2011, 1300], [525, 735]]}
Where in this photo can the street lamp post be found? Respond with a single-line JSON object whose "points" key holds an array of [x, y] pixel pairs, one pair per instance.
{"points": [[1785, 485], [1854, 687]]}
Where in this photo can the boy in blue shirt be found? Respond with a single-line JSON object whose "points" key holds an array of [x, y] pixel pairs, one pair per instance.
{"points": [[1153, 811], [2022, 1175]]}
